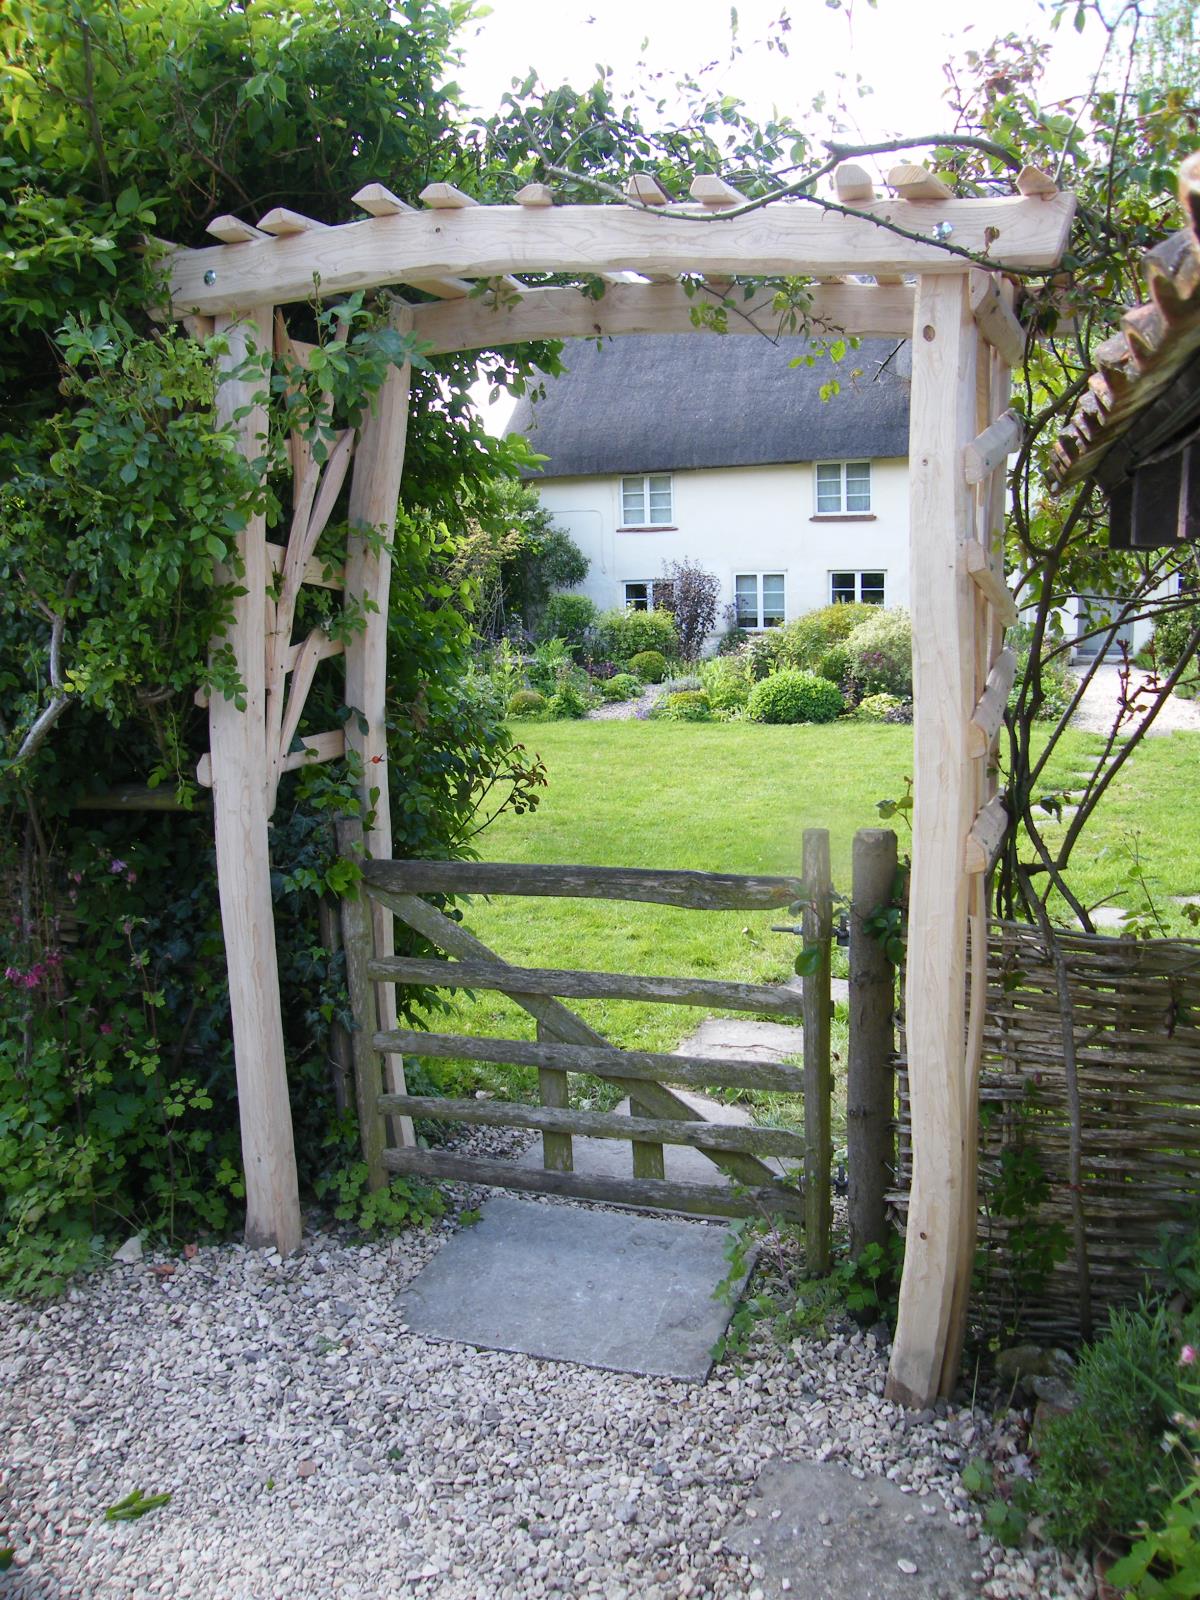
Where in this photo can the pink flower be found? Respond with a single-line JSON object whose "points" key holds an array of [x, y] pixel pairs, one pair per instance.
{"points": [[1187, 1356], [106, 1027], [116, 866]]}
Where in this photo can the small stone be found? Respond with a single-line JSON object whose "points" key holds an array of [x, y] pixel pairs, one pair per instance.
{"points": [[306, 1468], [130, 1253], [907, 1567]]}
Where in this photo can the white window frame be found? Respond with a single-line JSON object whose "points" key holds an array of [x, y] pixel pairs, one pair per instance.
{"points": [[647, 520], [842, 509], [758, 626], [646, 583], [857, 597]]}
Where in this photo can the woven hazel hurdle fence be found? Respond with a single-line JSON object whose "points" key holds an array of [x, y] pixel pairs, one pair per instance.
{"points": [[1117, 1137]]}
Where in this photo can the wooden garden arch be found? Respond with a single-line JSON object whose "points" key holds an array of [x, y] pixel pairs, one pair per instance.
{"points": [[921, 248]]}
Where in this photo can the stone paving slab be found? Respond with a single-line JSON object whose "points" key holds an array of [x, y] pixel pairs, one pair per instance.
{"points": [[733, 1038], [614, 1290], [817, 1531]]}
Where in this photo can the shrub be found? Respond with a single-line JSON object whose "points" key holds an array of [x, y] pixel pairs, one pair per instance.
{"points": [[804, 642], [687, 705], [835, 663], [761, 653], [877, 707], [682, 683], [649, 665], [1102, 1467], [726, 681], [732, 641], [625, 634], [623, 686], [880, 652], [551, 659], [690, 594], [567, 701], [568, 617], [795, 697], [1171, 634], [526, 703]]}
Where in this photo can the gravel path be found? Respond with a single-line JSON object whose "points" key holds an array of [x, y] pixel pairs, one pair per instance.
{"points": [[625, 710], [314, 1448], [1103, 701]]}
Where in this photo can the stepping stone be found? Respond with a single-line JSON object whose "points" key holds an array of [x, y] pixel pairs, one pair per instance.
{"points": [[728, 1038], [839, 989], [1185, 899], [1109, 917], [618, 1291], [813, 1526]]}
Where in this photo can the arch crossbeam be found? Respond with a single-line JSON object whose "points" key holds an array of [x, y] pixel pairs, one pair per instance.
{"points": [[789, 238]]}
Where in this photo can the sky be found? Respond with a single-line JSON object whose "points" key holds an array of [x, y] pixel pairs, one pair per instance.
{"points": [[897, 47]]}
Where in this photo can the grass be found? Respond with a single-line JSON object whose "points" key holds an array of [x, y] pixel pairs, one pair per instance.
{"points": [[737, 797]]}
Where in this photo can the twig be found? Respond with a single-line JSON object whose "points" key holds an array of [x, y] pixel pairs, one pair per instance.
{"points": [[965, 140]]}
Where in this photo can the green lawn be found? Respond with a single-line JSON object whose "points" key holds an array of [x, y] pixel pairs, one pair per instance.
{"points": [[737, 797]]}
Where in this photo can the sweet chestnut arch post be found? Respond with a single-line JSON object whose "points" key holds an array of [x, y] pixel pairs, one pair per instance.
{"points": [[914, 260]]}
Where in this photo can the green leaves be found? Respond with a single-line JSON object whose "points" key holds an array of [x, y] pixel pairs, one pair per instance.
{"points": [[135, 1505], [808, 960]]}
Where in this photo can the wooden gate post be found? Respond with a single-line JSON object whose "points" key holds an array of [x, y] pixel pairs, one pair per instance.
{"points": [[238, 742], [870, 1080], [374, 498], [945, 354], [818, 1132]]}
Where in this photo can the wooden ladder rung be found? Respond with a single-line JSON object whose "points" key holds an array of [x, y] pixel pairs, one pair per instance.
{"points": [[993, 587], [989, 713]]}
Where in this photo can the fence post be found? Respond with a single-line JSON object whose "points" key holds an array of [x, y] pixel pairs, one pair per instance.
{"points": [[358, 939], [870, 1086], [818, 1136]]}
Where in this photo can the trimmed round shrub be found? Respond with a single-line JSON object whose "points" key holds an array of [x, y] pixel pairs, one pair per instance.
{"points": [[795, 697], [877, 707], [526, 703], [625, 634], [688, 705], [803, 643], [880, 651], [621, 686], [649, 665]]}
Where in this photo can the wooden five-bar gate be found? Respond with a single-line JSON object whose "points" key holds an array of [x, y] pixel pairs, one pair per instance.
{"points": [[566, 1044]]}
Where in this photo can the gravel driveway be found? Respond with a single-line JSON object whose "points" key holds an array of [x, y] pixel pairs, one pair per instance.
{"points": [[313, 1448], [1104, 699]]}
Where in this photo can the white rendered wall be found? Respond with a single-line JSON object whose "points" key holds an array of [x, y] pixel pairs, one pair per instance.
{"points": [[735, 520]]}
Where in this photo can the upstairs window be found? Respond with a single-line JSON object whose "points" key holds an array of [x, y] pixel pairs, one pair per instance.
{"points": [[867, 588], [646, 501], [843, 488], [759, 599]]}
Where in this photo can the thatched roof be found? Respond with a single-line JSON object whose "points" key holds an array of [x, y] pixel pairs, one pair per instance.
{"points": [[667, 402]]}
